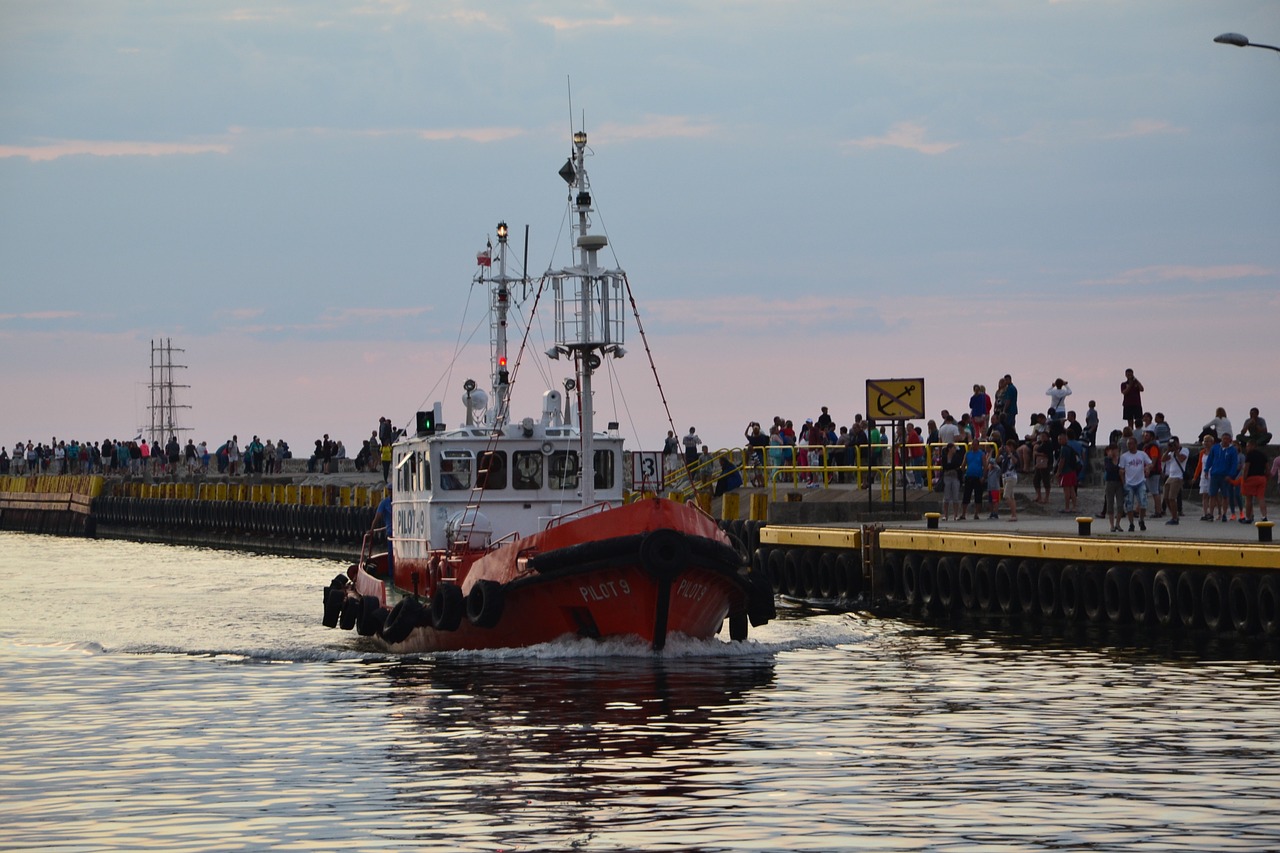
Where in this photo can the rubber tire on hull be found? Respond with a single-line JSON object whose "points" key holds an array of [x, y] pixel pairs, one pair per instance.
{"points": [[777, 570], [401, 621], [911, 579], [1242, 601], [1190, 613], [1027, 582], [1070, 599], [367, 623], [1141, 607], [1164, 597], [738, 626], [850, 566], [333, 598], [1269, 605], [484, 603], [927, 583], [1091, 603], [1213, 601], [1115, 591], [967, 582], [1006, 591], [1049, 589], [760, 605], [350, 612], [946, 591], [447, 607]]}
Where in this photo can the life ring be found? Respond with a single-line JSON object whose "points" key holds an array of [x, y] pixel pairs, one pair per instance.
{"points": [[1069, 589], [1140, 608], [484, 603], [1242, 600], [367, 623], [400, 622], [910, 585], [447, 606], [1049, 589], [1026, 581], [1164, 596], [664, 554], [1006, 592], [1187, 599], [1269, 605], [1115, 591], [1213, 601], [1091, 594], [945, 583]]}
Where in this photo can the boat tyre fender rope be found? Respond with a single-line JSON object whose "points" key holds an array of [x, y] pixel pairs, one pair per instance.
{"points": [[401, 621], [484, 603], [447, 607]]}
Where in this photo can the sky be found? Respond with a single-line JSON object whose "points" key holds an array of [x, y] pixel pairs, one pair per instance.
{"points": [[804, 195]]}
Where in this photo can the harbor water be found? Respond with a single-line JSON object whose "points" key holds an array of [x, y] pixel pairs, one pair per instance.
{"points": [[178, 699]]}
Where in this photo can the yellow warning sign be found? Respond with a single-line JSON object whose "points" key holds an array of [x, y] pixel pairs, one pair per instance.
{"points": [[895, 399]]}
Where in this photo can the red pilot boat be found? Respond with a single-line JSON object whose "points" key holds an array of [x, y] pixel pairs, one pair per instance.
{"points": [[509, 534]]}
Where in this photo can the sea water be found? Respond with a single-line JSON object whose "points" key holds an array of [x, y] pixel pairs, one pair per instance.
{"points": [[177, 699]]}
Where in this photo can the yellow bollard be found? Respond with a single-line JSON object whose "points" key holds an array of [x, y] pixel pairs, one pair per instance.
{"points": [[729, 507], [703, 500], [759, 507]]}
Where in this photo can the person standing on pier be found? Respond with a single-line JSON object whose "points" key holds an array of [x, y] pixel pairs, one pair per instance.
{"points": [[1058, 393], [1175, 467], [1136, 465], [1254, 481], [1131, 398], [975, 467]]}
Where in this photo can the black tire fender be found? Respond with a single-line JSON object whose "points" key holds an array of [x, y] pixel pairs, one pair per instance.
{"points": [[484, 603]]}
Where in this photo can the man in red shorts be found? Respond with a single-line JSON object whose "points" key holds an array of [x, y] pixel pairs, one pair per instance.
{"points": [[1254, 481]]}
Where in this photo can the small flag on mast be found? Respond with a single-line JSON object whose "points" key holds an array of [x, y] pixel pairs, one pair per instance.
{"points": [[484, 258]]}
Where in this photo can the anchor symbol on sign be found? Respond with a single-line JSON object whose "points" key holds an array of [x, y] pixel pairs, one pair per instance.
{"points": [[880, 398]]}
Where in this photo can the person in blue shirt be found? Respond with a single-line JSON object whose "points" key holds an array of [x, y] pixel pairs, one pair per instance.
{"points": [[382, 519], [1224, 459], [975, 467]]}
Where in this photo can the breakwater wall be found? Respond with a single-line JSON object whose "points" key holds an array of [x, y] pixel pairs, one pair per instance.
{"points": [[277, 518]]}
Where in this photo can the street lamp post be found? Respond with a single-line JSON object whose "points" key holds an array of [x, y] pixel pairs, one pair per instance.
{"points": [[1242, 41]]}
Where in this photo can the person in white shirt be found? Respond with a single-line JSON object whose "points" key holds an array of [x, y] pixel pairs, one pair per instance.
{"points": [[1135, 465], [1174, 461], [1058, 393]]}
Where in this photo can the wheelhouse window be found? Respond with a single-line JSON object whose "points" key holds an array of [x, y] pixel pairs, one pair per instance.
{"points": [[492, 470], [605, 463], [563, 469], [455, 470], [527, 469]]}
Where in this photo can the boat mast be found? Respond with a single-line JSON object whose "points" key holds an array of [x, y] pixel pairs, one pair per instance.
{"points": [[588, 303], [501, 295]]}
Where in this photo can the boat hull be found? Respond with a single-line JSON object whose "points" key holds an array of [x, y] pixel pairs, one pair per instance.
{"points": [[647, 570]]}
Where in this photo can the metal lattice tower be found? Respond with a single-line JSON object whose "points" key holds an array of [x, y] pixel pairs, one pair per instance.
{"points": [[164, 406]]}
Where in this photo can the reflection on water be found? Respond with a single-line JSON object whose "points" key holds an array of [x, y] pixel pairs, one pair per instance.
{"points": [[160, 698]]}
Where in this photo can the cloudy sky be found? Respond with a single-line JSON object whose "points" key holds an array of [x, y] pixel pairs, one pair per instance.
{"points": [[805, 195]]}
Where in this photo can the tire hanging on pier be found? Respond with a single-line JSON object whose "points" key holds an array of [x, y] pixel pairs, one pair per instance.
{"points": [[946, 583], [1006, 590], [1070, 599], [1213, 600], [1115, 594], [1269, 605], [1164, 597], [1027, 583], [1242, 601], [1141, 609], [1190, 585]]}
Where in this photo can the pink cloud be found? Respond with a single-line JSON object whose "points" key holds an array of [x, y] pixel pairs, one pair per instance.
{"points": [[56, 149], [907, 134], [1164, 273]]}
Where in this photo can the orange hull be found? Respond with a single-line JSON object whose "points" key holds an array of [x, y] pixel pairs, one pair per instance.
{"points": [[645, 570]]}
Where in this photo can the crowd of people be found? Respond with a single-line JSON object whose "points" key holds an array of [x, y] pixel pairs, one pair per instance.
{"points": [[983, 455], [171, 458]]}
